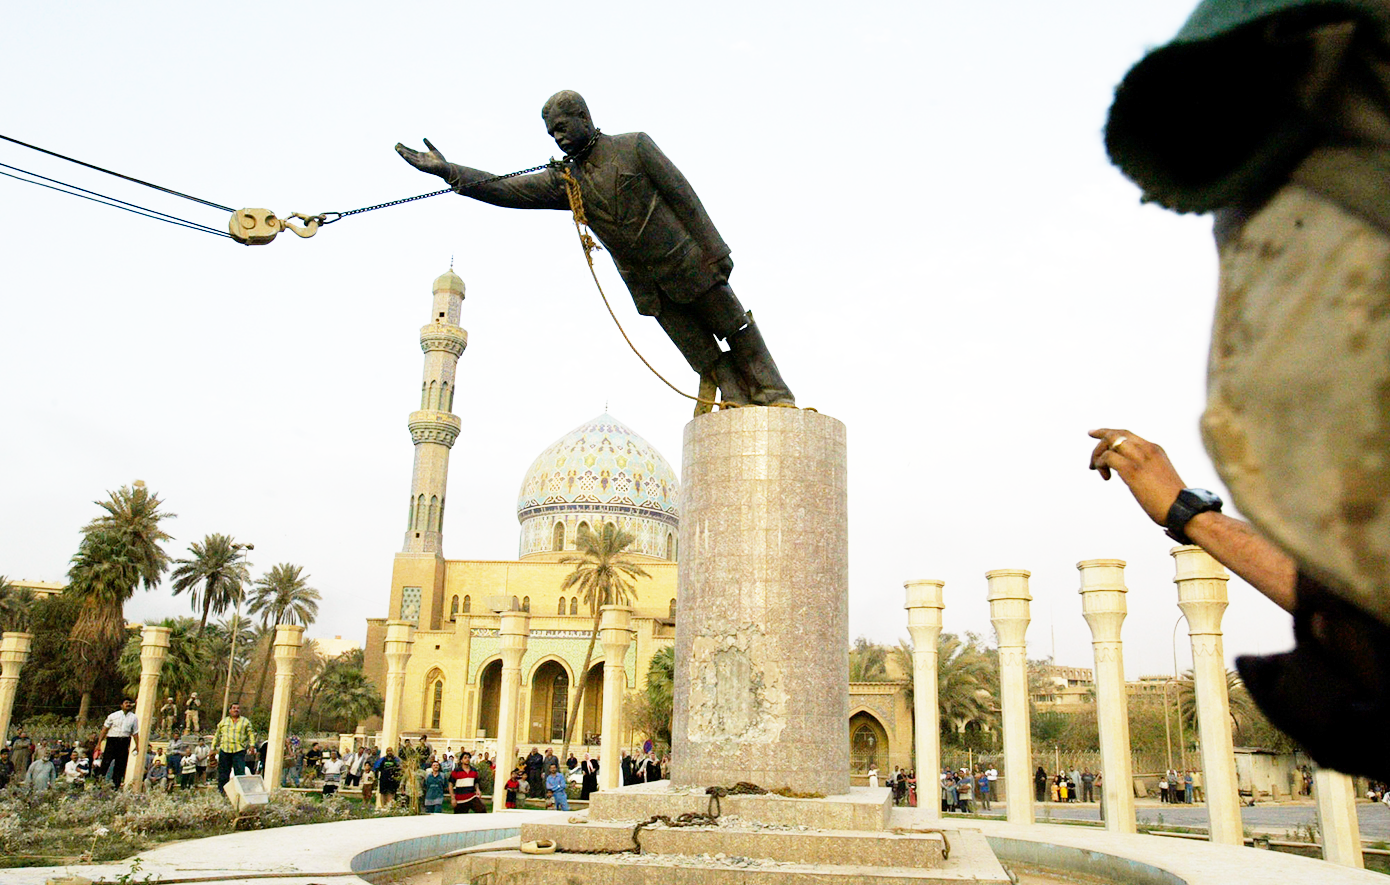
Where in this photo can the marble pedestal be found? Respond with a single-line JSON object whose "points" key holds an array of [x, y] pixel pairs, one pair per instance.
{"points": [[762, 624]]}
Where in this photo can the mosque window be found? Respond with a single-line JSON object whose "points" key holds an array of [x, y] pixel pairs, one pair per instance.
{"points": [[582, 531], [444, 396], [467, 604], [611, 527], [436, 700], [561, 609], [420, 513], [454, 608], [424, 392], [433, 524], [410, 518], [557, 541], [516, 604], [670, 546], [574, 605], [450, 406], [673, 608], [526, 603], [410, 604], [430, 403]]}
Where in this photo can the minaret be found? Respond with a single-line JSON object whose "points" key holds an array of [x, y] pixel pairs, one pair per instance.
{"points": [[434, 427]]}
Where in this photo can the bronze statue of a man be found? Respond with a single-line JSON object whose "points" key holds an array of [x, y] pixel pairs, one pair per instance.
{"points": [[649, 219]]}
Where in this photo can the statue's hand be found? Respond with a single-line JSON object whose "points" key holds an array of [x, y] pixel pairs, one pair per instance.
{"points": [[432, 162]]}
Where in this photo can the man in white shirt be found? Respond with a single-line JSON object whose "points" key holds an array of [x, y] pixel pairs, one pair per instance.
{"points": [[332, 769], [121, 731]]}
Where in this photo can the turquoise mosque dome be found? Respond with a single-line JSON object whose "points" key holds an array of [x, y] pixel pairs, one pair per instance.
{"points": [[600, 472]]}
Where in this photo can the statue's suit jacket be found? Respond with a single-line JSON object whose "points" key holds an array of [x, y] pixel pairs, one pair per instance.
{"points": [[643, 211]]}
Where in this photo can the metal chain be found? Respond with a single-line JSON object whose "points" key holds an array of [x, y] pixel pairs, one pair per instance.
{"points": [[330, 217]]}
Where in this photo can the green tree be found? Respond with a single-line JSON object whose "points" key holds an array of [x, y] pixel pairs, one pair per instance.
{"points": [[16, 606], [282, 596], [1241, 705], [215, 575], [965, 679], [868, 661], [605, 573], [48, 686], [120, 550], [660, 693], [185, 664], [345, 695]]}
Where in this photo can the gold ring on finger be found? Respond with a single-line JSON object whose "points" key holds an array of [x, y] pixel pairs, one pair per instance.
{"points": [[1115, 445]]}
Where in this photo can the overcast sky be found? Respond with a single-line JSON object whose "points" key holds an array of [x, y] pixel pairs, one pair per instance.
{"points": [[921, 213]]}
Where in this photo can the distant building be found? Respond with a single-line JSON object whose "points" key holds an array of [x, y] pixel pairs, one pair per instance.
{"points": [[331, 648], [40, 588]]}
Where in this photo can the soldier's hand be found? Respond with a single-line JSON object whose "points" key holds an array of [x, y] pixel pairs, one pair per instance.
{"points": [[432, 162], [1143, 466]]}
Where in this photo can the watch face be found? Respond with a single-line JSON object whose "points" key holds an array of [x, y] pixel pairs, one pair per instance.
{"points": [[1204, 498]]}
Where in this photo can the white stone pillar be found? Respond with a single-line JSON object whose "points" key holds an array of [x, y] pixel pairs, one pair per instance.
{"points": [[1335, 794], [1202, 597], [1103, 604], [924, 605], [154, 645], [762, 627], [615, 631], [400, 637], [289, 638], [1008, 609], [14, 653], [514, 633]]}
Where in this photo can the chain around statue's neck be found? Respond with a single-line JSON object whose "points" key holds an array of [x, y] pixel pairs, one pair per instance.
{"points": [[579, 155]]}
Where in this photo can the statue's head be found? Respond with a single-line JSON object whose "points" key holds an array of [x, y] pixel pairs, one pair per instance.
{"points": [[567, 120]]}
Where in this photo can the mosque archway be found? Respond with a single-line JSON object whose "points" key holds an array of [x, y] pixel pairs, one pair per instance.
{"points": [[550, 688], [593, 704], [489, 698], [868, 742]]}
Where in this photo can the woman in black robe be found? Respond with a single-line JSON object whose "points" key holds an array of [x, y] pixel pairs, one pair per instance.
{"points": [[589, 767]]}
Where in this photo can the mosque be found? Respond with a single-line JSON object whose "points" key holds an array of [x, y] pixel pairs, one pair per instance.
{"points": [[599, 472]]}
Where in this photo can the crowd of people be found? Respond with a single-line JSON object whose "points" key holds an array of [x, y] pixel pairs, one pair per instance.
{"points": [[1077, 785]]}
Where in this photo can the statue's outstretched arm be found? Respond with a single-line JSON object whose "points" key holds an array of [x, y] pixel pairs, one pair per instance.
{"points": [[540, 190], [681, 197]]}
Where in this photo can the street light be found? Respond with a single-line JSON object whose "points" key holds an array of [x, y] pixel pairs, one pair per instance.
{"points": [[236, 628], [1182, 737]]}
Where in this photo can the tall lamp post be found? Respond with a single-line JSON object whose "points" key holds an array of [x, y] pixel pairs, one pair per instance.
{"points": [[1177, 701], [236, 628]]}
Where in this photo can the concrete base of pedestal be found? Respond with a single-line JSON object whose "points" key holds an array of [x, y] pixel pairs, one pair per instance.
{"points": [[766, 839], [762, 624]]}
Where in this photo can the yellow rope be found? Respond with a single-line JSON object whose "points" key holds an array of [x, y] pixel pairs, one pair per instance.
{"points": [[580, 223]]}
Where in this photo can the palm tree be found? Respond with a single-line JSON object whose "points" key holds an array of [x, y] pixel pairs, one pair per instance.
{"points": [[102, 577], [963, 680], [218, 640], [867, 661], [605, 573], [1242, 707], [282, 596], [133, 515], [661, 690], [120, 550], [215, 575], [345, 693], [184, 665], [16, 606]]}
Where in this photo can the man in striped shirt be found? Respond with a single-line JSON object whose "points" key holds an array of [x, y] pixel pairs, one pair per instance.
{"points": [[231, 741]]}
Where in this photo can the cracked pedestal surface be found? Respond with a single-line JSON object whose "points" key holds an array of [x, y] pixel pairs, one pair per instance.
{"points": [[762, 628]]}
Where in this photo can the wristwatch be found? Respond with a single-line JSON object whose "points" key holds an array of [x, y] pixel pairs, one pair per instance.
{"points": [[1190, 502]]}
